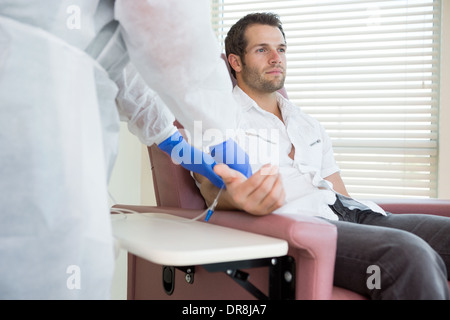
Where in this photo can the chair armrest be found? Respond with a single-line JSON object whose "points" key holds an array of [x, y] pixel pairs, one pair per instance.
{"points": [[312, 242], [425, 206]]}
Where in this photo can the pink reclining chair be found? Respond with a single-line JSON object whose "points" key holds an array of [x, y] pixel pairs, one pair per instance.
{"points": [[312, 243]]}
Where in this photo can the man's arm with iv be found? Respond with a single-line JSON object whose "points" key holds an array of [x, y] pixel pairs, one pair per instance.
{"points": [[260, 194]]}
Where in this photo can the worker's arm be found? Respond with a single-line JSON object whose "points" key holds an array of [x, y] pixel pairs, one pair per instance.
{"points": [[173, 46]]}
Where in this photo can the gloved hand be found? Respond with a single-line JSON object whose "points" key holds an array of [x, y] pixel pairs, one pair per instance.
{"points": [[190, 158], [230, 153]]}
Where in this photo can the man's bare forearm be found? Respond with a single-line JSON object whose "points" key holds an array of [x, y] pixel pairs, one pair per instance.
{"points": [[209, 192], [260, 194]]}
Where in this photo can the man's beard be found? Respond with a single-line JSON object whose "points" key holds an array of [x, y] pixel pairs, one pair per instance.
{"points": [[257, 81]]}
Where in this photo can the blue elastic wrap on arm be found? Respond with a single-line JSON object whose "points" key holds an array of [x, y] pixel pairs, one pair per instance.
{"points": [[190, 158], [230, 153]]}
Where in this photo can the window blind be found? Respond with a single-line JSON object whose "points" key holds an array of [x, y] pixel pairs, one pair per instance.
{"points": [[369, 72]]}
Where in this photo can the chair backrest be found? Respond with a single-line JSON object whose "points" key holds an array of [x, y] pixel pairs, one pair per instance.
{"points": [[174, 185]]}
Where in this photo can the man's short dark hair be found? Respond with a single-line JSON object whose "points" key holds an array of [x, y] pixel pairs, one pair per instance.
{"points": [[235, 42]]}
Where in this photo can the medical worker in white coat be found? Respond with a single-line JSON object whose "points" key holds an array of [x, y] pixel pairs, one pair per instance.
{"points": [[62, 69]]}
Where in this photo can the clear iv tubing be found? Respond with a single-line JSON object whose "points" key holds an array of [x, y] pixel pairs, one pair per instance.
{"points": [[208, 212]]}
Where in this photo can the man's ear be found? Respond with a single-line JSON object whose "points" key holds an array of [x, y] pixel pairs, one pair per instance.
{"points": [[235, 62]]}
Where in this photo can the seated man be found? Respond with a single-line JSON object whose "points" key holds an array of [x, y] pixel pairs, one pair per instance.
{"points": [[410, 250]]}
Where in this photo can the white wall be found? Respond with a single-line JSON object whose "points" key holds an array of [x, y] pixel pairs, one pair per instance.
{"points": [[131, 183]]}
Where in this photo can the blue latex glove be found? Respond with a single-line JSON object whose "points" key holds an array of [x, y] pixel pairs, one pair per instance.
{"points": [[230, 153], [190, 158]]}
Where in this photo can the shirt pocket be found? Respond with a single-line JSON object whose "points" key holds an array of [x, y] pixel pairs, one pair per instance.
{"points": [[309, 149]]}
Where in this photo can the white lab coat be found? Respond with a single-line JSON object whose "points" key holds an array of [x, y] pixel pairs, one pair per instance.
{"points": [[60, 69]]}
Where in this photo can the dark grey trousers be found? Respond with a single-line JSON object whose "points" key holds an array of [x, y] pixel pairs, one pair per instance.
{"points": [[398, 256]]}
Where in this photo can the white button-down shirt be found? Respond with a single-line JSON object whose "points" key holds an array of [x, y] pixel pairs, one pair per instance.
{"points": [[267, 139]]}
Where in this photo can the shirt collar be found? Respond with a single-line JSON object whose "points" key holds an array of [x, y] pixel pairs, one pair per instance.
{"points": [[244, 100], [247, 103]]}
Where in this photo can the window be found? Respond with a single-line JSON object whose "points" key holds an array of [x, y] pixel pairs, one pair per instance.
{"points": [[369, 72]]}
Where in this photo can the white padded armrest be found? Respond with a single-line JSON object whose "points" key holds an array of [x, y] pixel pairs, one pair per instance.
{"points": [[174, 241]]}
